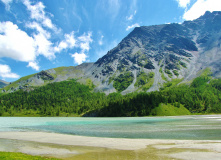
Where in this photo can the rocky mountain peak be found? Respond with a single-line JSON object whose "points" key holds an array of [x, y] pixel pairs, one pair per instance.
{"points": [[169, 51]]}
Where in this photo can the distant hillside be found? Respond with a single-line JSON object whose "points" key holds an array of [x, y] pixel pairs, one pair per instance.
{"points": [[3, 83], [70, 98], [145, 60]]}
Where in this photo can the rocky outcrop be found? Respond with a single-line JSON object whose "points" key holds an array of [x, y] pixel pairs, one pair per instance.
{"points": [[44, 75]]}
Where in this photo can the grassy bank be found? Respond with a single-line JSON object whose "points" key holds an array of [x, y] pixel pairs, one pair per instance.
{"points": [[21, 156]]}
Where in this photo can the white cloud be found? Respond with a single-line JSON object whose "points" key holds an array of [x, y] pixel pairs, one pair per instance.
{"points": [[183, 3], [132, 26], [100, 42], [38, 14], [44, 46], [37, 10], [39, 29], [68, 42], [84, 41], [79, 57], [47, 22], [200, 7], [5, 72], [7, 3], [18, 45], [33, 65], [131, 16], [15, 43]]}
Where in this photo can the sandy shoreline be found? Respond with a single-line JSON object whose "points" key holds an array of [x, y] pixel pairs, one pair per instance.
{"points": [[113, 143], [212, 147]]}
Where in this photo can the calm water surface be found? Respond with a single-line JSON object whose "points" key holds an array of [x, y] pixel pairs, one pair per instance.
{"points": [[180, 127]]}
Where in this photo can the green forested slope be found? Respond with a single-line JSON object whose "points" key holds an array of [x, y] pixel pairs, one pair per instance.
{"points": [[67, 97], [70, 98]]}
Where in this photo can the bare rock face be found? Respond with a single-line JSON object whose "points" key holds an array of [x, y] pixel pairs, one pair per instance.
{"points": [[151, 56]]}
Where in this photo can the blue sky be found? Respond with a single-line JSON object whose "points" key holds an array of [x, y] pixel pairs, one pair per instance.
{"points": [[38, 35]]}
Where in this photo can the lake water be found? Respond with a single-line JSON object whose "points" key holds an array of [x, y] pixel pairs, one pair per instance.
{"points": [[178, 127]]}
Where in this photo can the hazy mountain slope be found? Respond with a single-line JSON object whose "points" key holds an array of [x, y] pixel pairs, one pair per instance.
{"points": [[49, 76], [146, 58], [3, 83]]}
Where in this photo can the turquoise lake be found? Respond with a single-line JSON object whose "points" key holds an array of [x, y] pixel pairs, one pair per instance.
{"points": [[179, 127]]}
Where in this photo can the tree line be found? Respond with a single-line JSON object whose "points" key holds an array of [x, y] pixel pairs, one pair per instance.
{"points": [[70, 98]]}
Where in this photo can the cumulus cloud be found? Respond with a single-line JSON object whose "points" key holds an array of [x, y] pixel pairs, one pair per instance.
{"points": [[131, 16], [79, 57], [183, 3], [68, 42], [15, 43], [33, 65], [132, 26], [44, 46], [84, 41], [5, 72], [18, 45], [200, 7]]}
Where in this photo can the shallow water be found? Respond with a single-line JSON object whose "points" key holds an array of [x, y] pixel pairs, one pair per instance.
{"points": [[178, 127]]}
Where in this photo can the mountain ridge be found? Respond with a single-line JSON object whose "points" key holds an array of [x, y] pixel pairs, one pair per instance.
{"points": [[145, 59]]}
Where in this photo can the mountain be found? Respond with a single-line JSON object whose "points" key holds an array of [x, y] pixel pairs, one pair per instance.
{"points": [[145, 59], [3, 83]]}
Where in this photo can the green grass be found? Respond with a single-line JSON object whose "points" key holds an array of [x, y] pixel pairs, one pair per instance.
{"points": [[206, 72], [123, 81], [183, 64], [21, 156], [176, 73], [162, 74], [112, 78], [171, 84], [167, 71], [148, 85], [65, 70], [170, 110], [144, 81], [89, 83]]}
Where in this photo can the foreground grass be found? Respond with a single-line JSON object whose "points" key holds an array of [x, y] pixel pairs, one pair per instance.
{"points": [[21, 156]]}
